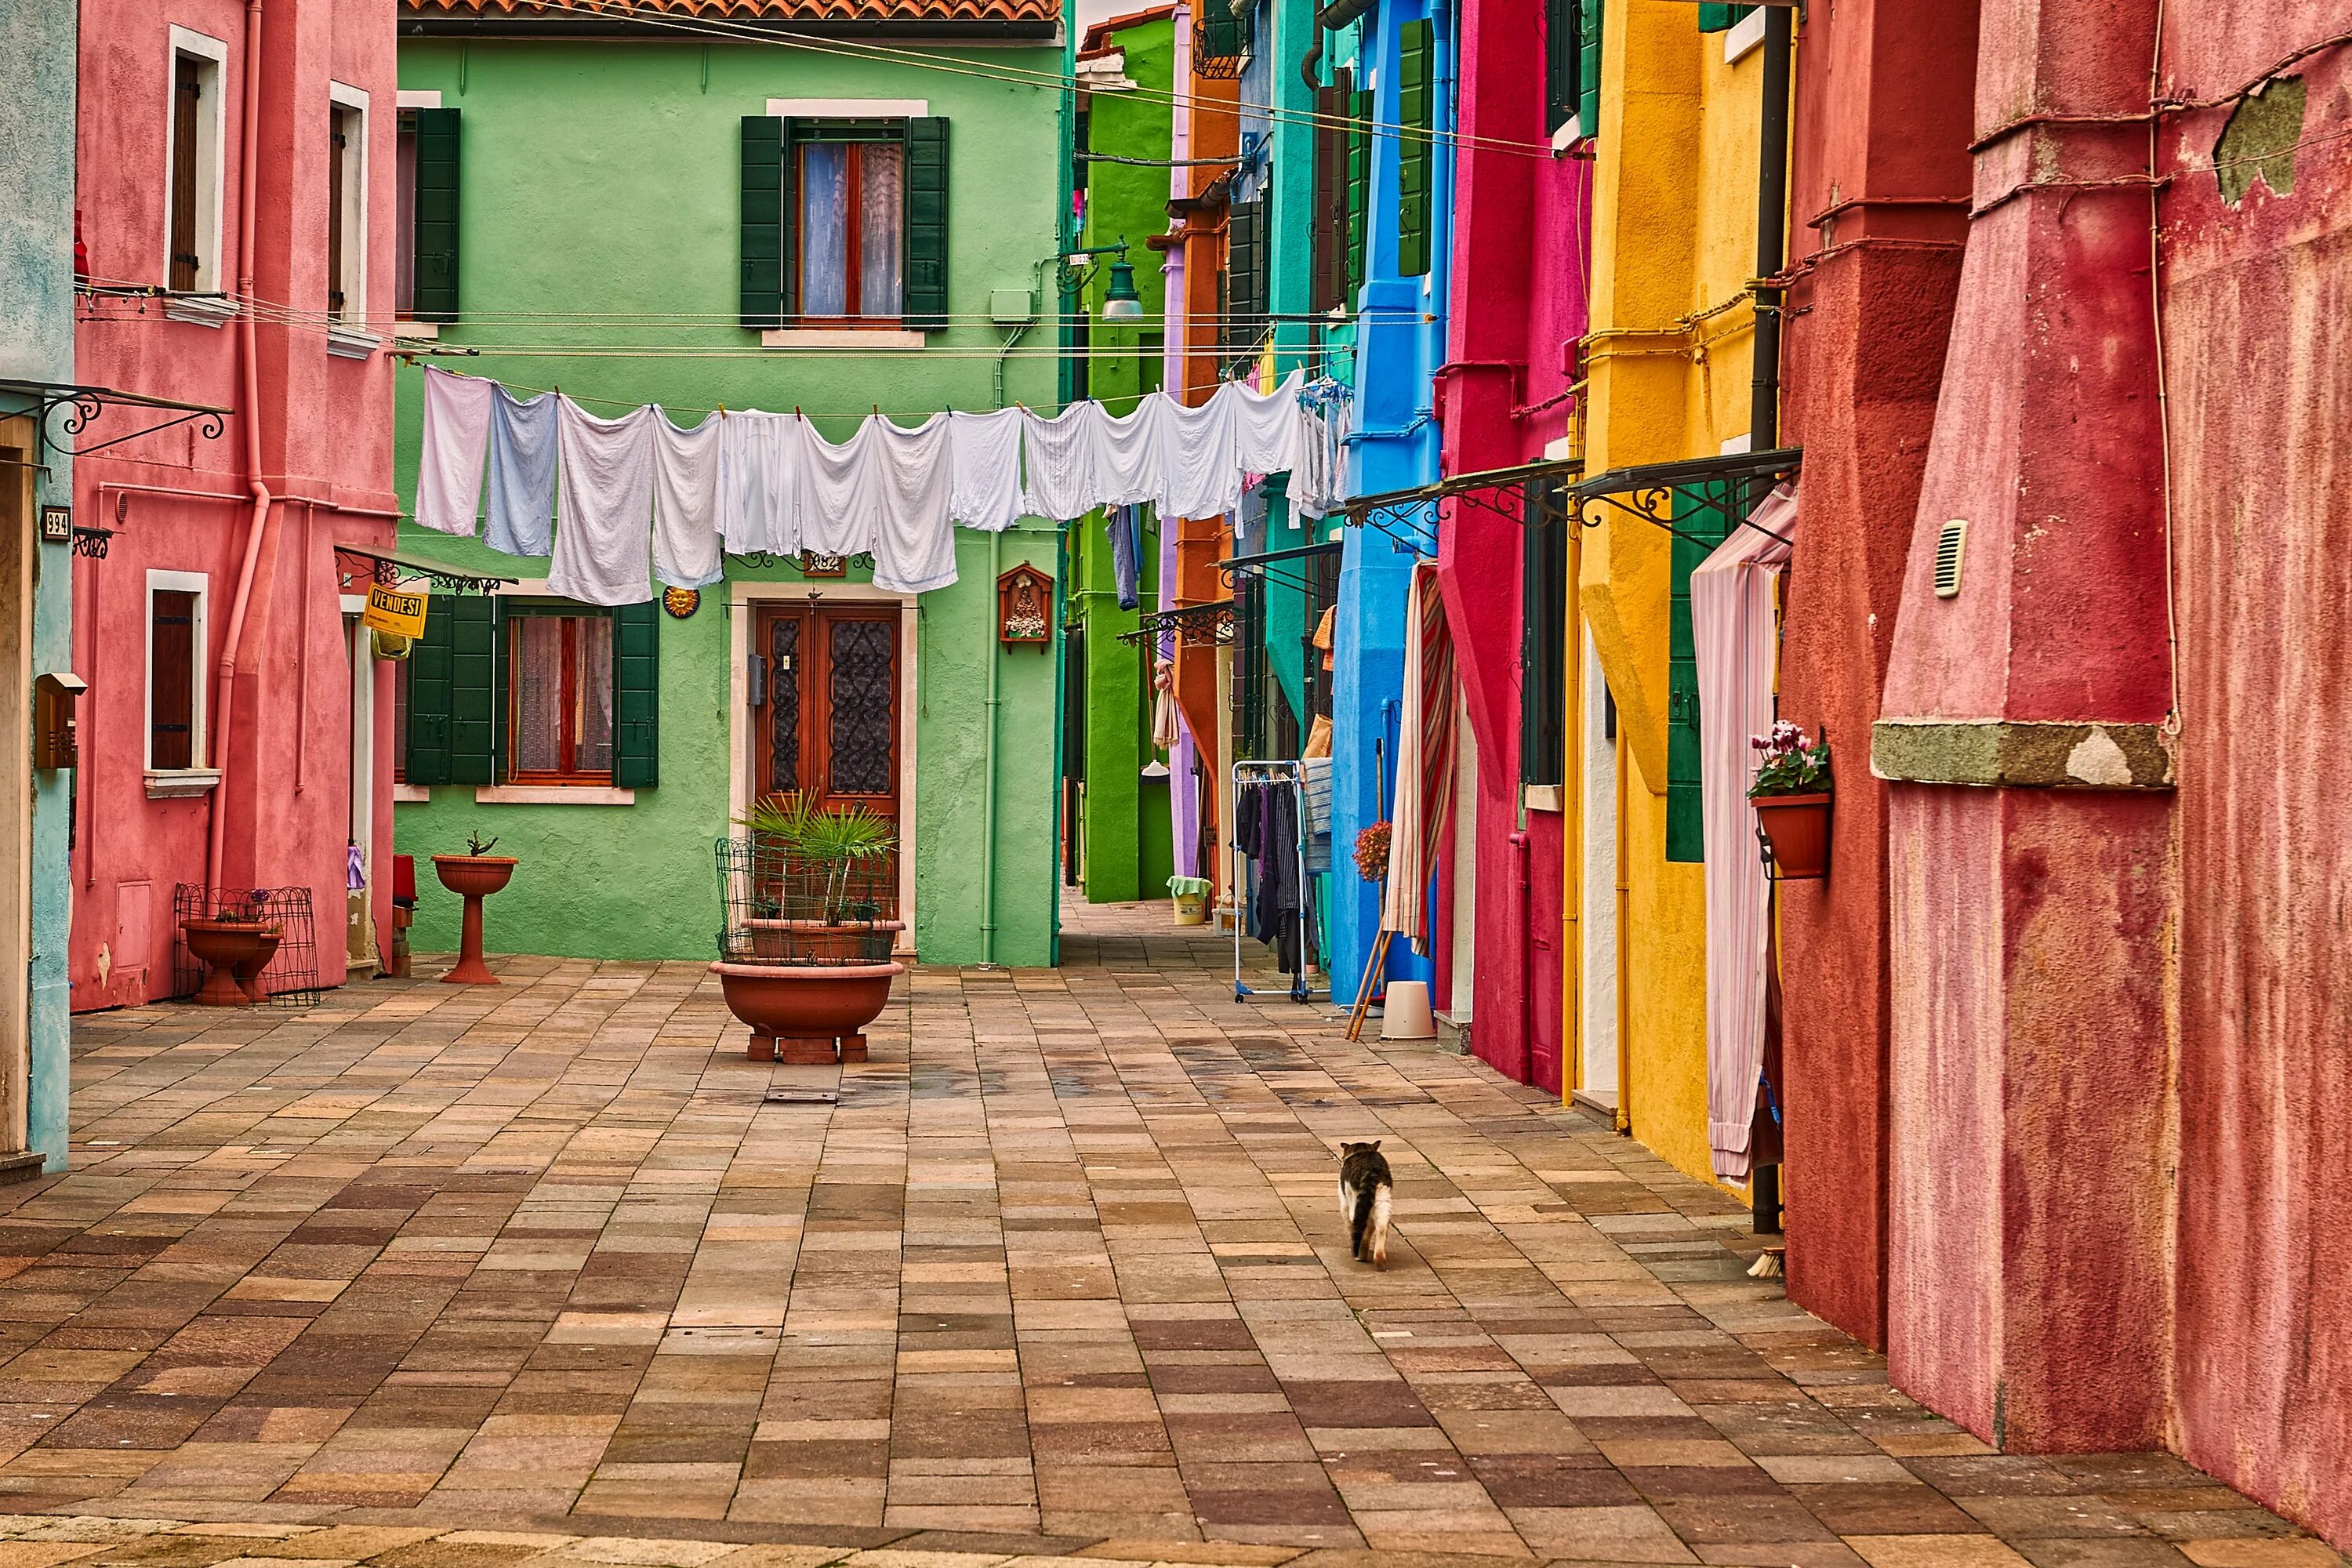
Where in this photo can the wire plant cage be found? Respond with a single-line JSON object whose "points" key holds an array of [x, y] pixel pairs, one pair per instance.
{"points": [[783, 906], [290, 979]]}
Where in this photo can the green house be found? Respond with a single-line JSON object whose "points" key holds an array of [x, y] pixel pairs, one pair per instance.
{"points": [[781, 205]]}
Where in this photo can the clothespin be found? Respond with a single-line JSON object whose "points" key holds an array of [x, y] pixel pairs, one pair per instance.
{"points": [[877, 411], [796, 412], [722, 410]]}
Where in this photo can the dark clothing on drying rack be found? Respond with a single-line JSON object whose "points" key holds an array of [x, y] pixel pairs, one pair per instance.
{"points": [[1265, 826]]}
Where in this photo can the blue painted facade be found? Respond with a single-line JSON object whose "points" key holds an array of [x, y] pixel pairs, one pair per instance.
{"points": [[38, 118], [1400, 343]]}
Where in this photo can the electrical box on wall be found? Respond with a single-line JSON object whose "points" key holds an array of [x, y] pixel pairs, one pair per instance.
{"points": [[1010, 306], [54, 741]]}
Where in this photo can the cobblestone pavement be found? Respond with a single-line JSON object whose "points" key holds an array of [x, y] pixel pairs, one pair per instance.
{"points": [[434, 1278]]}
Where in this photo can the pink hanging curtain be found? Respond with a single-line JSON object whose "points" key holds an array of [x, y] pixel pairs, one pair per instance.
{"points": [[1735, 625]]}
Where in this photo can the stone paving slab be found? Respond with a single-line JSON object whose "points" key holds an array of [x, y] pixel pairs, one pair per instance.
{"points": [[440, 1278]]}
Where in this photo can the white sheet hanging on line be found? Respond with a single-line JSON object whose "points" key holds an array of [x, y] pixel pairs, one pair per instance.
{"points": [[1202, 478], [1269, 428], [520, 518], [686, 503], [604, 545], [1062, 482], [841, 491], [1738, 636], [914, 542], [759, 486], [984, 451], [1133, 457], [456, 436]]}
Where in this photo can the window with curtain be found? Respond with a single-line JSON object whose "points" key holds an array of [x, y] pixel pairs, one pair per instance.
{"points": [[560, 697], [852, 240]]}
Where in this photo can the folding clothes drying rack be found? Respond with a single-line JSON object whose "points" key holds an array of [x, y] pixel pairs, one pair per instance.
{"points": [[1292, 776]]}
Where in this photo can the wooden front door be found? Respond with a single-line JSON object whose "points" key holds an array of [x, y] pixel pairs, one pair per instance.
{"points": [[825, 704]]}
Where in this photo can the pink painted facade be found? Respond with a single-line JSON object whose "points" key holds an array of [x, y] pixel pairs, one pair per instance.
{"points": [[2119, 1100], [1521, 246], [320, 423]]}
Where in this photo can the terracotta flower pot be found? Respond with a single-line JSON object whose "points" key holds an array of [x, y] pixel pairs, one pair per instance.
{"points": [[221, 946], [815, 942], [807, 1013], [1797, 826], [472, 878], [248, 970]]}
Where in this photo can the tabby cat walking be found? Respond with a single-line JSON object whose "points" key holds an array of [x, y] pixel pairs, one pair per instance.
{"points": [[1366, 1192]]}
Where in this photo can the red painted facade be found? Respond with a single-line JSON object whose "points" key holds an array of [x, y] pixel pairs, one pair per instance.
{"points": [[1879, 191], [1522, 240], [178, 501], [2114, 1094]]}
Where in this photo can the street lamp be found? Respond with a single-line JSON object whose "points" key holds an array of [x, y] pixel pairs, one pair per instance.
{"points": [[1122, 303]]}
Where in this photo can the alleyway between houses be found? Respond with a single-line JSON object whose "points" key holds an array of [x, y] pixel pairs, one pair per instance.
{"points": [[443, 1278]]}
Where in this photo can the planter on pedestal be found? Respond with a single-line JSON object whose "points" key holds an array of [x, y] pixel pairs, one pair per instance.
{"points": [[806, 1013], [472, 878], [248, 970], [1798, 828], [223, 947]]}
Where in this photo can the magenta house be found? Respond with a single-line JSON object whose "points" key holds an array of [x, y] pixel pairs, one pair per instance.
{"points": [[1521, 245]]}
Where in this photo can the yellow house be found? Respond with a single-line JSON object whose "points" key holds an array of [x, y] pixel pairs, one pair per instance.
{"points": [[1668, 367]]}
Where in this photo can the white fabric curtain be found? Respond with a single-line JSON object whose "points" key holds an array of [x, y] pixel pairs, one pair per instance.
{"points": [[880, 192], [825, 228], [1400, 901], [1735, 625]]}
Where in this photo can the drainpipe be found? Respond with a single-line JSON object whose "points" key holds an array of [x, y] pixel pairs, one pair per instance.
{"points": [[249, 414], [987, 792], [1522, 846], [1771, 219], [1329, 19]]}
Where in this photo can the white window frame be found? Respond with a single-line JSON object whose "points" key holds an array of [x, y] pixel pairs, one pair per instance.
{"points": [[355, 203], [195, 778], [212, 140]]}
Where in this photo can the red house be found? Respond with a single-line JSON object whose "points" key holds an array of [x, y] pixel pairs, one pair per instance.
{"points": [[237, 215]]}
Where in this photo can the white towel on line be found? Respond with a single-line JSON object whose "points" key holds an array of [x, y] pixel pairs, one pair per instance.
{"points": [[457, 435], [604, 483], [1133, 457], [759, 482], [841, 490], [1063, 479], [686, 502], [1203, 477], [913, 483], [984, 452], [1269, 429]]}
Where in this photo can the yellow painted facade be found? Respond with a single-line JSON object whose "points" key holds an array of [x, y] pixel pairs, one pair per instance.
{"points": [[1668, 367]]}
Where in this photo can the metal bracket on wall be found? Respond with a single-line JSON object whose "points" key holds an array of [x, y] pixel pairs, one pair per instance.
{"points": [[1650, 491], [1195, 626], [1517, 495], [86, 405]]}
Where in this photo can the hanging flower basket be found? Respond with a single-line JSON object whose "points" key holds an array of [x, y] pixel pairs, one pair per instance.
{"points": [[1794, 797], [1373, 852]]}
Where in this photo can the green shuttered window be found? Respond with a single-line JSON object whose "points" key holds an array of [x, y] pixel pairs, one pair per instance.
{"points": [[1721, 19], [770, 216], [926, 224], [436, 221], [1360, 190], [1244, 275], [1416, 108], [1563, 69], [463, 699], [1701, 527], [1588, 65], [762, 244]]}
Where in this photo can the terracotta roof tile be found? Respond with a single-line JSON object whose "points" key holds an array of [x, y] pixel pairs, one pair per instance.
{"points": [[749, 10]]}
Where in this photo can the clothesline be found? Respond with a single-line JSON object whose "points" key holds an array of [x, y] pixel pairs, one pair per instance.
{"points": [[642, 499]]}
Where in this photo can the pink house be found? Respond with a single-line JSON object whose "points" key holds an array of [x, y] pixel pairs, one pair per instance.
{"points": [[236, 217], [1520, 242]]}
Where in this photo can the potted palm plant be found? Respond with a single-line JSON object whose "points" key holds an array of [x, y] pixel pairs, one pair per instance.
{"points": [[1794, 794], [809, 896]]}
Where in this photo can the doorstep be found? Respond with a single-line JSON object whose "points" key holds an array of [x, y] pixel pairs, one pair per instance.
{"points": [[20, 1166], [1604, 1100], [1452, 1033]]}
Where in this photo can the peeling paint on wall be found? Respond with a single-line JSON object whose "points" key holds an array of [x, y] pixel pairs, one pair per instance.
{"points": [[2258, 143]]}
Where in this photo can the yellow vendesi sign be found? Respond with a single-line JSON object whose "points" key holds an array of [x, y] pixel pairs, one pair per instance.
{"points": [[397, 611]]}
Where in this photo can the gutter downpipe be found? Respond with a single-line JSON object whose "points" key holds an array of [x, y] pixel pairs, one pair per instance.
{"points": [[1764, 406], [993, 700], [224, 698], [1772, 220]]}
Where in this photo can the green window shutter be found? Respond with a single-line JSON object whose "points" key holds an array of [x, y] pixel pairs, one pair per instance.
{"points": [[1588, 65], [1360, 191], [1416, 101], [429, 664], [435, 236], [1700, 529], [474, 715], [636, 695], [1244, 287], [926, 224], [1721, 19], [761, 250], [1563, 76]]}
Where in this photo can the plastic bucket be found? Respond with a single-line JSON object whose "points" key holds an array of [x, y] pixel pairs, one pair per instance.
{"points": [[1191, 897]]}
